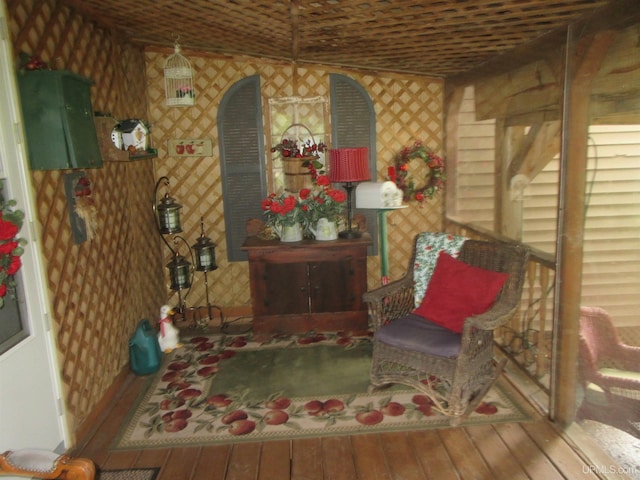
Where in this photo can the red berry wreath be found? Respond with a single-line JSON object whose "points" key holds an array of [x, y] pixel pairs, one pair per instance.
{"points": [[434, 179]]}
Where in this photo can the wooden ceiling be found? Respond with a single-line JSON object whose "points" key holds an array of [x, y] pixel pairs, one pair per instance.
{"points": [[425, 37]]}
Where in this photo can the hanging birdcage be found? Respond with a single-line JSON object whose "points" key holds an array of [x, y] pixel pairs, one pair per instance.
{"points": [[178, 80]]}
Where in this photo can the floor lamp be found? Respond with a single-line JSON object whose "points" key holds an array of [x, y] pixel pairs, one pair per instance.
{"points": [[349, 166]]}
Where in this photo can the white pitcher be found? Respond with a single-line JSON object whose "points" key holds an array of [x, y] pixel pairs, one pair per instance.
{"points": [[289, 233], [325, 230]]}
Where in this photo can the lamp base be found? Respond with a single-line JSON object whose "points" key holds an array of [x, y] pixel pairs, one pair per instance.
{"points": [[349, 234]]}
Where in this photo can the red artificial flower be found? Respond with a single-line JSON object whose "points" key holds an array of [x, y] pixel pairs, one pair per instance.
{"points": [[338, 195], [14, 266], [323, 180], [8, 230], [7, 247], [3, 290], [304, 193]]}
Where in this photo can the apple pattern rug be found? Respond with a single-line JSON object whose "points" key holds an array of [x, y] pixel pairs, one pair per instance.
{"points": [[219, 389]]}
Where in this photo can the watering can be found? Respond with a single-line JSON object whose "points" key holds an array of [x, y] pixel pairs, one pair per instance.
{"points": [[144, 349], [325, 230]]}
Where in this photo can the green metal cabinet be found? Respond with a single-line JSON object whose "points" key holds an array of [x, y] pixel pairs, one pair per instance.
{"points": [[58, 120]]}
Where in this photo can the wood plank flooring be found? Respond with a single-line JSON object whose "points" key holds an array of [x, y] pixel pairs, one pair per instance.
{"points": [[532, 450]]}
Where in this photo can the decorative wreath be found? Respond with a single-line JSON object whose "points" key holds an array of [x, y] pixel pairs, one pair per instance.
{"points": [[434, 178]]}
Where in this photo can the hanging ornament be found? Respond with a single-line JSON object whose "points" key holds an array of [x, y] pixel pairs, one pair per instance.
{"points": [[178, 80]]}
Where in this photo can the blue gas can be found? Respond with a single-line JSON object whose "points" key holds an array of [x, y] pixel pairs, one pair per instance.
{"points": [[144, 349]]}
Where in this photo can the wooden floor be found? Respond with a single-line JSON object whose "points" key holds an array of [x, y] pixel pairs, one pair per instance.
{"points": [[510, 451]]}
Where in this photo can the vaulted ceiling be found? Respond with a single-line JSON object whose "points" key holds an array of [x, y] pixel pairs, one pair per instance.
{"points": [[425, 37]]}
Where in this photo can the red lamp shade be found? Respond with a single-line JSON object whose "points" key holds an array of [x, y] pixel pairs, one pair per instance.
{"points": [[349, 165]]}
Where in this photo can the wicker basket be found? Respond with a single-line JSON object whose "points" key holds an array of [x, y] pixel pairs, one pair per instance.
{"points": [[296, 174]]}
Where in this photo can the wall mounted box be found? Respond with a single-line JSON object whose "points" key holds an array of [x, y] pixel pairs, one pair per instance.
{"points": [[58, 120]]}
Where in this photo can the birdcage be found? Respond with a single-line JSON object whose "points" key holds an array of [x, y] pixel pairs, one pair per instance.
{"points": [[178, 80]]}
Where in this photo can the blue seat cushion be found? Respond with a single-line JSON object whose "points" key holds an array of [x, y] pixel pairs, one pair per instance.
{"points": [[413, 332]]}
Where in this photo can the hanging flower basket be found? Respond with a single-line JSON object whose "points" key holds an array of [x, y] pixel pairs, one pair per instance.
{"points": [[298, 153]]}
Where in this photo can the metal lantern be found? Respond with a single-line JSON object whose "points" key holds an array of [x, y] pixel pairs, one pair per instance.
{"points": [[205, 254], [169, 215], [178, 80], [179, 272]]}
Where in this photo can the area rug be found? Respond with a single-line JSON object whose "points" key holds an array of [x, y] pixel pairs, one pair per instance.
{"points": [[128, 474], [229, 389]]}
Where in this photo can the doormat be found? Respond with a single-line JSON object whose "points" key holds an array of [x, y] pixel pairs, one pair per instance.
{"points": [[227, 389], [128, 474]]}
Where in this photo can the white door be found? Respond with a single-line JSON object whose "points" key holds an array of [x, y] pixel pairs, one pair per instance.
{"points": [[31, 410]]}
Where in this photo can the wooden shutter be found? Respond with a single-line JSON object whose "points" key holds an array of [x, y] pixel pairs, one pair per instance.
{"points": [[241, 136], [353, 124]]}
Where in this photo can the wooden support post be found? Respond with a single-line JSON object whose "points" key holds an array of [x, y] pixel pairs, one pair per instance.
{"points": [[584, 59]]}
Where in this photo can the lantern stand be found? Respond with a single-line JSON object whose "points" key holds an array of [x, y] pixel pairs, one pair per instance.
{"points": [[205, 258], [180, 274], [167, 215]]}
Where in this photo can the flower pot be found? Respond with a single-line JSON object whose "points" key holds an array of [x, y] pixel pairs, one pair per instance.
{"points": [[289, 233], [325, 230]]}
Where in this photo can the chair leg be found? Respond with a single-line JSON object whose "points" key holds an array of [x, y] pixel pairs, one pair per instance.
{"points": [[457, 420]]}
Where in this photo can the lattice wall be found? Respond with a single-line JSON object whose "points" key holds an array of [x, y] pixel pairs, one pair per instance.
{"points": [[407, 109], [100, 289]]}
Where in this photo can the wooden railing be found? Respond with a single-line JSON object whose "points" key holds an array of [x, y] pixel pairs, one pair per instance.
{"points": [[526, 339]]}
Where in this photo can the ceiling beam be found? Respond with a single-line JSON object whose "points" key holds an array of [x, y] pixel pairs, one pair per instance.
{"points": [[616, 15]]}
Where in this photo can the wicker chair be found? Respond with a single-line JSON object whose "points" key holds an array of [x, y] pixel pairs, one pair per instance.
{"points": [[609, 373], [454, 370]]}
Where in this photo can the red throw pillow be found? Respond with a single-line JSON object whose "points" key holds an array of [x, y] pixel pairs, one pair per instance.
{"points": [[457, 291]]}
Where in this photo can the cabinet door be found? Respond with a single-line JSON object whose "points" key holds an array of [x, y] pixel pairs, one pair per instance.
{"points": [[331, 284], [287, 288], [58, 120], [80, 130]]}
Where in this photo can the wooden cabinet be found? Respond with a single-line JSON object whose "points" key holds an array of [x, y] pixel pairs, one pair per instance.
{"points": [[58, 120], [308, 285]]}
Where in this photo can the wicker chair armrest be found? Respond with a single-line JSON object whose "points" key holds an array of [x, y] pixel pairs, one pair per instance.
{"points": [[390, 302], [496, 316], [629, 357], [608, 382]]}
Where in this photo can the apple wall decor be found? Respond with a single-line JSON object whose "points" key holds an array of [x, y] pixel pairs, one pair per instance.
{"points": [[189, 147]]}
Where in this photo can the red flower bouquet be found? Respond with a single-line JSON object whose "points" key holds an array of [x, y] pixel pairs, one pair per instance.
{"points": [[10, 246]]}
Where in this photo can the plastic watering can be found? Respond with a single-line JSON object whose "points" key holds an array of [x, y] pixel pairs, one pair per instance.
{"points": [[144, 349]]}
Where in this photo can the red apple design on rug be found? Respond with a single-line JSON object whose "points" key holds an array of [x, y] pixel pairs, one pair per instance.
{"points": [[318, 408], [239, 423], [220, 400], [369, 417], [208, 371], [171, 403], [242, 427], [393, 409], [176, 421], [276, 417], [190, 149], [189, 394], [487, 408], [178, 384], [278, 403], [423, 404], [180, 149]]}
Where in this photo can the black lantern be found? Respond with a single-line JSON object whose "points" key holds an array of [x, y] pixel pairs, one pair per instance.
{"points": [[169, 215], [205, 252], [179, 272]]}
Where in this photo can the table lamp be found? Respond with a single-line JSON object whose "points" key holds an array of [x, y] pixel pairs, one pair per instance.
{"points": [[349, 166]]}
